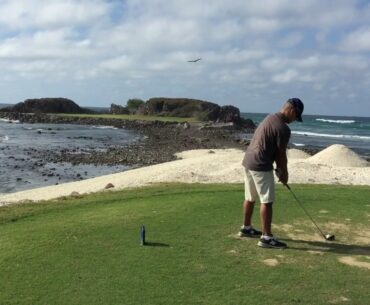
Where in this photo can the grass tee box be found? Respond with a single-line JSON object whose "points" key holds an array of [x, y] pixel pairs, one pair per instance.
{"points": [[87, 250]]}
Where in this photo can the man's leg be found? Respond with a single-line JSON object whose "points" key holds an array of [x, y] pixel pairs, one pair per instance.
{"points": [[266, 218], [248, 208], [247, 229], [267, 240]]}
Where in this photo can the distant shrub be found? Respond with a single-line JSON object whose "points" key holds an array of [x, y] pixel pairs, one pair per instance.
{"points": [[134, 104]]}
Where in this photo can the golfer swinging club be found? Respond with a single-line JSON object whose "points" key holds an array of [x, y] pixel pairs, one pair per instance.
{"points": [[268, 145]]}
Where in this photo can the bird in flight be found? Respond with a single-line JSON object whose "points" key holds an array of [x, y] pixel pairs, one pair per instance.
{"points": [[195, 60]]}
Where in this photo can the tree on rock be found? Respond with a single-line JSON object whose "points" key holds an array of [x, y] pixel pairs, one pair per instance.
{"points": [[134, 104]]}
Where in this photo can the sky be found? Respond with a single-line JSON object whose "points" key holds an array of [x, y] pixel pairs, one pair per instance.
{"points": [[254, 54]]}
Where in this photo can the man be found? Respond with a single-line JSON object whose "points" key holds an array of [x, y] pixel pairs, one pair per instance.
{"points": [[268, 145]]}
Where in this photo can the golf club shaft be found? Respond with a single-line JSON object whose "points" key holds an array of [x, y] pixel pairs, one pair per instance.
{"points": [[303, 208]]}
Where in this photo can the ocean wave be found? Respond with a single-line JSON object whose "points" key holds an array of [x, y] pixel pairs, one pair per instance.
{"points": [[326, 135], [9, 121], [104, 127], [4, 138], [299, 144], [337, 121]]}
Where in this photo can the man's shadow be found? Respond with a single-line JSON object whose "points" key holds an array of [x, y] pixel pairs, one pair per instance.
{"points": [[327, 246]]}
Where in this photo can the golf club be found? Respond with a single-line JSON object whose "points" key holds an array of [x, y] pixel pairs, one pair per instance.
{"points": [[329, 237]]}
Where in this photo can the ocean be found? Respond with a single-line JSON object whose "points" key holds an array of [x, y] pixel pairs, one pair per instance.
{"points": [[22, 146], [321, 131]]}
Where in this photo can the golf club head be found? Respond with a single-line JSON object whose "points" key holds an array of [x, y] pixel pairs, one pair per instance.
{"points": [[330, 237]]}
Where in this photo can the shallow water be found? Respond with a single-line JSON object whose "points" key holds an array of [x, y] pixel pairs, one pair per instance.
{"points": [[20, 144]]}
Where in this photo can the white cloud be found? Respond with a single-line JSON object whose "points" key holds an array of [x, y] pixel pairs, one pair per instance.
{"points": [[357, 41], [45, 44], [313, 61], [286, 77], [291, 40], [274, 63], [267, 25], [116, 64], [26, 14]]}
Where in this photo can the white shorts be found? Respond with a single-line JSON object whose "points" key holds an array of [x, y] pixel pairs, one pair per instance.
{"points": [[259, 184]]}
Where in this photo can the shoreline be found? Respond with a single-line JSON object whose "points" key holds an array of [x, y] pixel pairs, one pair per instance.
{"points": [[159, 140], [197, 166], [154, 142], [158, 144]]}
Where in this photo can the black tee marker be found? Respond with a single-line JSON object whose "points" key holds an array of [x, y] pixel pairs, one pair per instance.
{"points": [[142, 235]]}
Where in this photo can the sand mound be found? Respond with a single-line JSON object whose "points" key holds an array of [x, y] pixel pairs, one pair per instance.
{"points": [[297, 154], [338, 155]]}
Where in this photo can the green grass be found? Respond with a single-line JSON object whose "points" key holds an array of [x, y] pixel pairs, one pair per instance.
{"points": [[86, 250], [130, 117]]}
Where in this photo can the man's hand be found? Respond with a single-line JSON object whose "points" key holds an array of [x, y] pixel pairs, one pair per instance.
{"points": [[281, 166], [282, 175]]}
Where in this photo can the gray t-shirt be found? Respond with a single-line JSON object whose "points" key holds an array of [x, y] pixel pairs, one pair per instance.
{"points": [[272, 135]]}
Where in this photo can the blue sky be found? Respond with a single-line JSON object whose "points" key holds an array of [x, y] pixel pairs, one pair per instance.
{"points": [[255, 54]]}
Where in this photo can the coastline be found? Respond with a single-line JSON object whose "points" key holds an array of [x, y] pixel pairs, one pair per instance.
{"points": [[153, 142], [155, 157], [197, 166], [158, 143]]}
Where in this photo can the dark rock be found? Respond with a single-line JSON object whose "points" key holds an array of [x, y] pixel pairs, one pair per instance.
{"points": [[180, 107], [246, 124], [109, 186], [75, 194], [186, 125], [229, 114], [118, 109], [46, 105]]}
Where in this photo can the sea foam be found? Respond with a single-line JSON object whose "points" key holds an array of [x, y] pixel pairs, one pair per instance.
{"points": [[326, 135], [9, 121], [104, 127], [337, 121], [4, 138]]}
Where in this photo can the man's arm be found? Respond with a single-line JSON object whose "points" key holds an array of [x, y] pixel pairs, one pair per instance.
{"points": [[282, 166]]}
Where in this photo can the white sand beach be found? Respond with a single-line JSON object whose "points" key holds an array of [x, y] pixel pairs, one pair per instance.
{"points": [[335, 165]]}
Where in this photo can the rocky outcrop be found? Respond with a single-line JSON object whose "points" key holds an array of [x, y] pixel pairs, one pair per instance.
{"points": [[180, 107], [228, 114], [118, 109], [47, 105], [202, 110]]}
